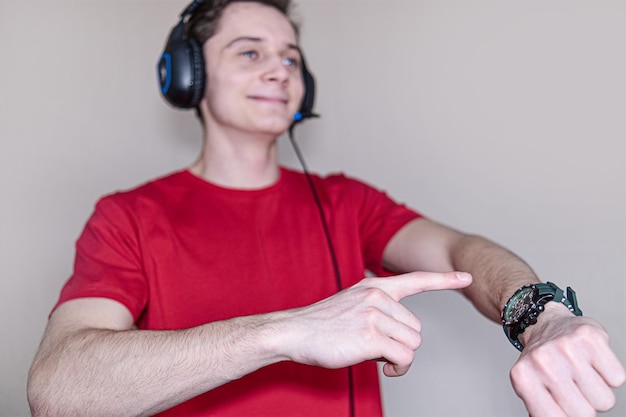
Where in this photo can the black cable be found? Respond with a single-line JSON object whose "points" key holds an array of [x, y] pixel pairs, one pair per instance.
{"points": [[318, 203], [331, 248]]}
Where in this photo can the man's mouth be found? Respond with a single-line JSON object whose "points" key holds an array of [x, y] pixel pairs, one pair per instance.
{"points": [[270, 100]]}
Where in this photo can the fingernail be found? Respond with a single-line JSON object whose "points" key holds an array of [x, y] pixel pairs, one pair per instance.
{"points": [[462, 276]]}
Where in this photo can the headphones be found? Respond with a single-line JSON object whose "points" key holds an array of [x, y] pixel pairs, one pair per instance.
{"points": [[181, 71]]}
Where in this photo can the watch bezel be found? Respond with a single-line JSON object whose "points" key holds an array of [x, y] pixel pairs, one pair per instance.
{"points": [[519, 304], [530, 300]]}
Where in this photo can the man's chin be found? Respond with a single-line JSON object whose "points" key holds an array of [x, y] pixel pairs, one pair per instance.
{"points": [[273, 125]]}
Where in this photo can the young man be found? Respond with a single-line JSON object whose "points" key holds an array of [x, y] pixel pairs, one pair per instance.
{"points": [[211, 291]]}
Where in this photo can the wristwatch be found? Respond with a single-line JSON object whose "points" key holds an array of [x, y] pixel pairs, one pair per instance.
{"points": [[528, 302]]}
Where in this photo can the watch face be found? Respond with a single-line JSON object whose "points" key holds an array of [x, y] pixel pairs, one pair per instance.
{"points": [[518, 305]]}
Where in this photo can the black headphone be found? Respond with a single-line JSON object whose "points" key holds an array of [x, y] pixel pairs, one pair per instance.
{"points": [[181, 72]]}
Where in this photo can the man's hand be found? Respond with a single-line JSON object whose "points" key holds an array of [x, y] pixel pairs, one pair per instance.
{"points": [[567, 368], [365, 322]]}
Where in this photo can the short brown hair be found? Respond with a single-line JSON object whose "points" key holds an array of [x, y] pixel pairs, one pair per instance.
{"points": [[204, 21]]}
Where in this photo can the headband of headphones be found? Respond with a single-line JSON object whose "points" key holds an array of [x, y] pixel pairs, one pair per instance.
{"points": [[181, 71]]}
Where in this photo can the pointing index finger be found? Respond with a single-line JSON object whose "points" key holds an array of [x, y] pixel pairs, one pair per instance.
{"points": [[401, 286]]}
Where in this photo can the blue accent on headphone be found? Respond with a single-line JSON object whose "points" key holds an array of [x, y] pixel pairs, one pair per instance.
{"points": [[297, 117], [165, 84]]}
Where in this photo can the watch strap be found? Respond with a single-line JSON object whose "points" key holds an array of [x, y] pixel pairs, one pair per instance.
{"points": [[547, 292]]}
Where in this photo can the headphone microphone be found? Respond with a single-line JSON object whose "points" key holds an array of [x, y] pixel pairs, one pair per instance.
{"points": [[181, 71]]}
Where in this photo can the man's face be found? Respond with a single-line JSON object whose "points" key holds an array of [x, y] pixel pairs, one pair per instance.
{"points": [[254, 77]]}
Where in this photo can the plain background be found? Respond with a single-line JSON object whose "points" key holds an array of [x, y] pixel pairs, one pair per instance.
{"points": [[496, 117]]}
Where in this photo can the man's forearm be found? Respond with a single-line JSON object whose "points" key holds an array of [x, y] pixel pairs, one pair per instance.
{"points": [[83, 371], [497, 273], [424, 245], [100, 372]]}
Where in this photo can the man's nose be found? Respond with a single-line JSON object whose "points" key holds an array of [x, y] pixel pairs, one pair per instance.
{"points": [[276, 70]]}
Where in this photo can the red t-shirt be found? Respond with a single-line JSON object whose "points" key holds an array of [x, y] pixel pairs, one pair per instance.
{"points": [[179, 252]]}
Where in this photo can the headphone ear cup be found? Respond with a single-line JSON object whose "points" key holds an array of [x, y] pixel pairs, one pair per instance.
{"points": [[306, 108], [181, 71], [199, 76]]}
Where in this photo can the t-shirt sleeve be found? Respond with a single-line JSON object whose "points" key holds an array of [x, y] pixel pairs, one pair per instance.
{"points": [[108, 259], [380, 218]]}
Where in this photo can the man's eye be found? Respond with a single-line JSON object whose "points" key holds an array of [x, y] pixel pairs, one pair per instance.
{"points": [[290, 62], [250, 54]]}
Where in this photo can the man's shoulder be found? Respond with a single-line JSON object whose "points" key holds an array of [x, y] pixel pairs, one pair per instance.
{"points": [[154, 190], [338, 188], [333, 179]]}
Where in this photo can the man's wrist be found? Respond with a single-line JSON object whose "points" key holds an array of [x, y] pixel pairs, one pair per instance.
{"points": [[553, 310]]}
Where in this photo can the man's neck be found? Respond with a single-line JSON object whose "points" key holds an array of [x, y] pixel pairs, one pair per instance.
{"points": [[238, 160]]}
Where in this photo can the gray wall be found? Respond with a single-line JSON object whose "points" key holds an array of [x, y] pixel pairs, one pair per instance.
{"points": [[496, 117]]}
